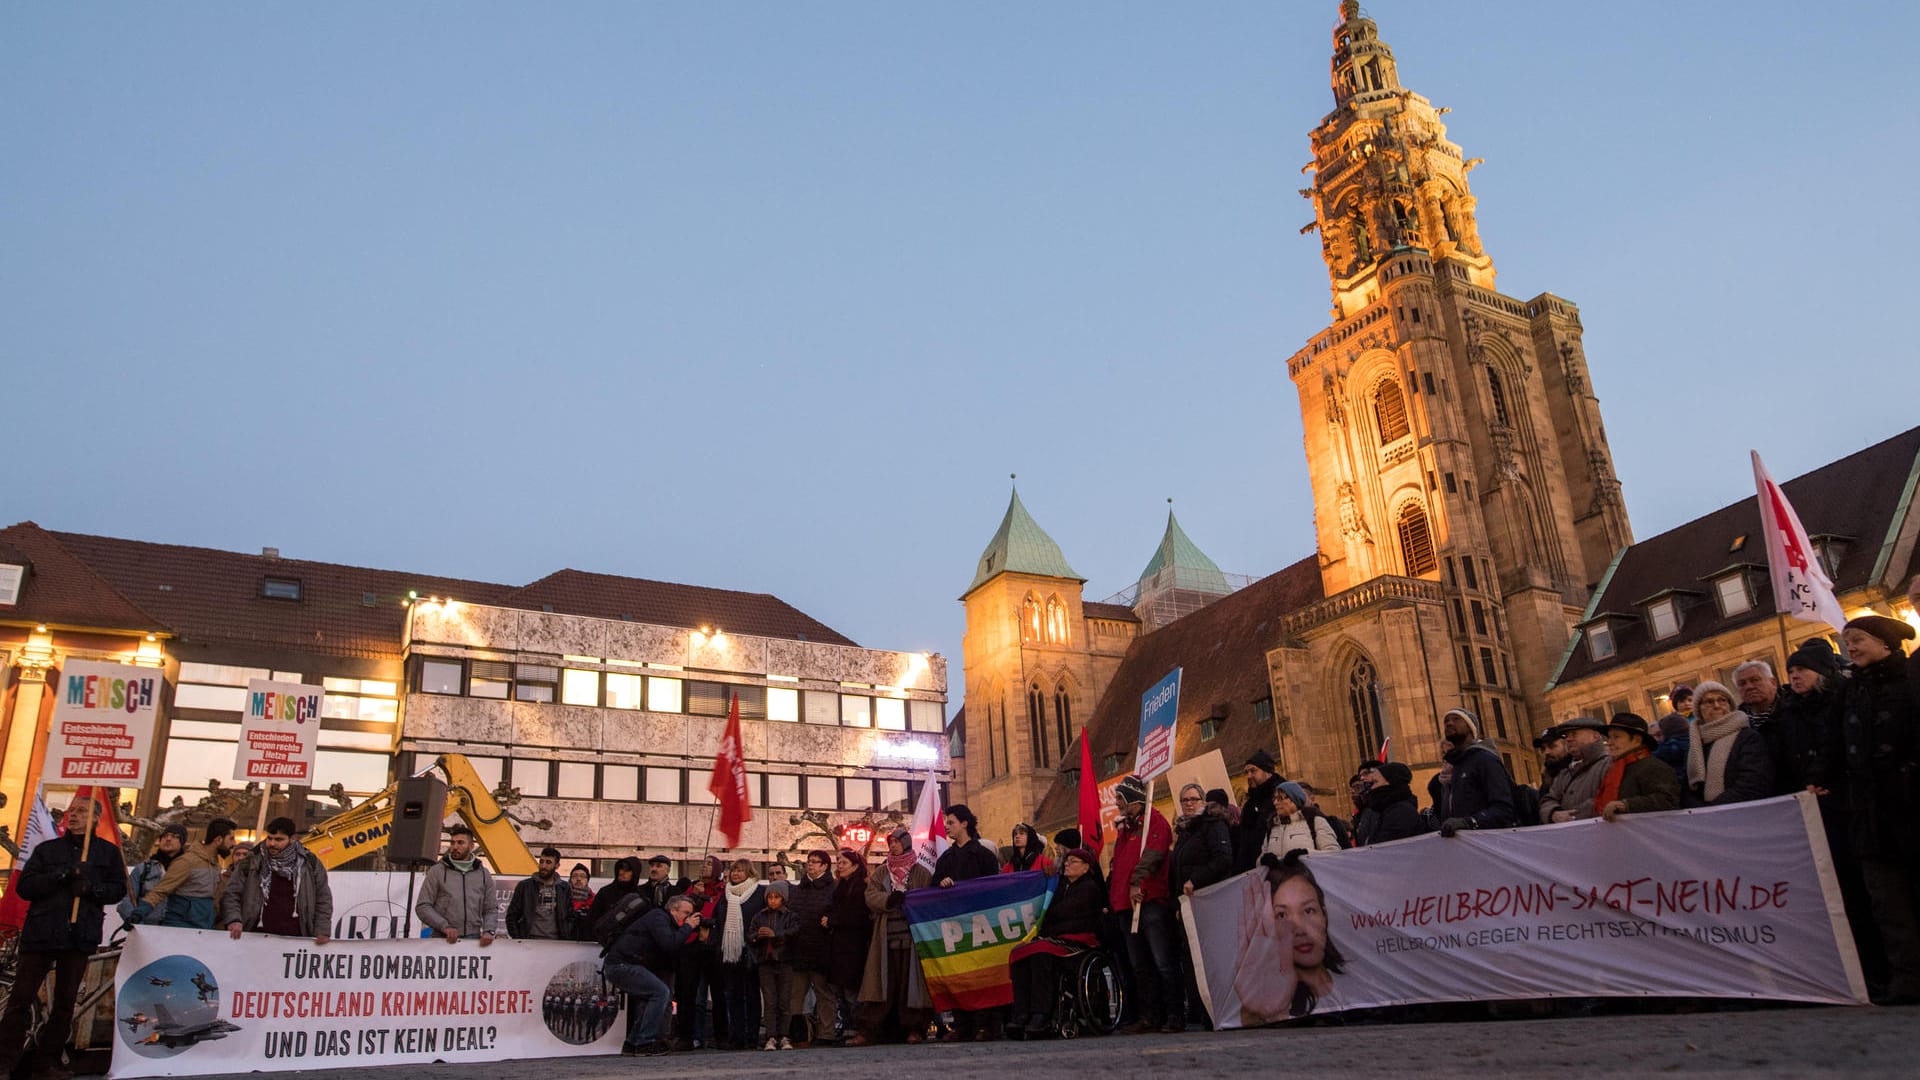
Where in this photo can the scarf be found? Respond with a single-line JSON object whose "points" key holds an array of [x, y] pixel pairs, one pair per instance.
{"points": [[1610, 784], [1709, 767], [582, 895], [465, 866], [734, 935], [898, 866], [285, 866]]}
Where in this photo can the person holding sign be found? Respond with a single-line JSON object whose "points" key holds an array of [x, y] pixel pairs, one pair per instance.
{"points": [[68, 882], [1138, 879], [279, 889], [456, 893]]}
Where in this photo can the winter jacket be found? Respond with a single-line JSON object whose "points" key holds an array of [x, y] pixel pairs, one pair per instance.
{"points": [[144, 877], [1749, 773], [1647, 786], [1797, 740], [1575, 788], [1872, 737], [609, 897], [1481, 790], [1202, 852], [784, 924], [849, 932], [962, 862], [1076, 907], [652, 941], [720, 911], [1133, 868], [1256, 820], [657, 893], [244, 902], [1674, 752], [524, 905], [1305, 831], [809, 900], [887, 905], [188, 894], [48, 885], [460, 901], [1389, 812]]}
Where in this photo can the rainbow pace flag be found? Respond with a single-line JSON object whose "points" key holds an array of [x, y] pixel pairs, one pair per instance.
{"points": [[964, 934]]}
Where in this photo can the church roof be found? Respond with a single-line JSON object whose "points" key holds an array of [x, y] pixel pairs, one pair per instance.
{"points": [[1191, 567], [1020, 546]]}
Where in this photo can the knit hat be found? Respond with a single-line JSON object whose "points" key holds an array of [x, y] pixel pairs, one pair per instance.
{"points": [[582, 867], [1219, 795], [1710, 687], [1067, 839], [780, 889], [1131, 790], [1890, 631], [1397, 772], [177, 830], [1260, 759], [1473, 722], [1295, 792], [1084, 855], [1817, 656]]}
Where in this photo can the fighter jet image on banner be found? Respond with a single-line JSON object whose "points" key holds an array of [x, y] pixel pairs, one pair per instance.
{"points": [[169, 1006]]}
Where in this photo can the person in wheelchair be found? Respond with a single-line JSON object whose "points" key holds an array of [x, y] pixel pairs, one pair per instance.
{"points": [[1070, 926]]}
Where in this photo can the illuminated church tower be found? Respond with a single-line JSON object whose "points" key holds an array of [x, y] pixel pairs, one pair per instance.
{"points": [[1451, 430]]}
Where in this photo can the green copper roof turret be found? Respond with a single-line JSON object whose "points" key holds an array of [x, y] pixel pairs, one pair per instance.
{"points": [[1191, 567], [1021, 546]]}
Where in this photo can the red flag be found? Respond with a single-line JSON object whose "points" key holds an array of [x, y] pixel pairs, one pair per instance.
{"points": [[40, 826], [1090, 831], [1801, 587], [1385, 745], [729, 783]]}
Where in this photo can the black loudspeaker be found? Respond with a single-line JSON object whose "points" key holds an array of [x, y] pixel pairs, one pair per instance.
{"points": [[419, 805]]}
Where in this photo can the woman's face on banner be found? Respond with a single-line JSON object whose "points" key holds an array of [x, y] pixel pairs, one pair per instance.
{"points": [[1295, 902]]}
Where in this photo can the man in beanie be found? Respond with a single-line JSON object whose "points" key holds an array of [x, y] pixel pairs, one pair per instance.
{"points": [[172, 841], [1137, 879], [1220, 797], [1479, 795], [1256, 814], [279, 889], [1876, 742], [542, 905], [1388, 810]]}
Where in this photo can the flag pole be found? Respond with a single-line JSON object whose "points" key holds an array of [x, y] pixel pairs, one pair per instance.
{"points": [[86, 846]]}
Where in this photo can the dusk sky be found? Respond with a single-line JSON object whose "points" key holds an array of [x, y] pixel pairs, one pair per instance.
{"points": [[774, 297]]}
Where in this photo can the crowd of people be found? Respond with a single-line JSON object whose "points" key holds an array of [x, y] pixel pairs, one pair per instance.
{"points": [[734, 958]]}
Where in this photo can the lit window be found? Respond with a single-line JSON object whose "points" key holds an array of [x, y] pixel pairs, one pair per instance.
{"points": [[783, 704], [926, 716], [1056, 621], [1390, 411], [1031, 628], [441, 677], [623, 691], [576, 780], [1599, 641], [856, 711], [579, 687], [620, 782], [663, 695], [487, 769], [783, 791], [857, 794], [533, 778], [1734, 597], [890, 714], [359, 773], [823, 793], [223, 675], [893, 795], [490, 679], [822, 707], [1666, 622], [218, 698]]}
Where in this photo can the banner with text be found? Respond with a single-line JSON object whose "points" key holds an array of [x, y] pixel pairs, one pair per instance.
{"points": [[963, 935], [1159, 707], [1734, 901], [103, 718], [190, 1002], [279, 733]]}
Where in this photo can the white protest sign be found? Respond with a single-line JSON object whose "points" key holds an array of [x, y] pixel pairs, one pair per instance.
{"points": [[103, 720], [279, 733]]}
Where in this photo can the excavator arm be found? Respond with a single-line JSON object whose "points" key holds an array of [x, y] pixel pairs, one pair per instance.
{"points": [[364, 828]]}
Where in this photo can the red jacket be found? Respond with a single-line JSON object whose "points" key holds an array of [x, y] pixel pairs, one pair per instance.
{"points": [[1129, 868]]}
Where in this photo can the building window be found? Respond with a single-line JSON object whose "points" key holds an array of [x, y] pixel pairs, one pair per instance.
{"points": [[857, 794], [889, 714], [753, 701], [624, 691], [1416, 541], [893, 794], [1056, 621], [1209, 727], [783, 704], [1735, 599], [1031, 627], [439, 676], [1390, 411], [490, 679], [579, 687], [278, 588], [663, 695], [1599, 641], [823, 793], [1263, 711], [534, 779], [1070, 777], [620, 783], [360, 699], [1486, 667], [535, 682], [926, 716], [783, 791], [1037, 724], [1499, 718], [1111, 763], [1363, 706], [1062, 719], [576, 780], [1479, 618], [1499, 398], [707, 699], [821, 707], [663, 785], [1666, 622], [856, 711]]}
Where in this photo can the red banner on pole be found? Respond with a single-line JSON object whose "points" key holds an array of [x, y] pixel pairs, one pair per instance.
{"points": [[729, 783]]}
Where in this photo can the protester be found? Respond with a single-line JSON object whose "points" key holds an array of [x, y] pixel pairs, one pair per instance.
{"points": [[809, 951], [1797, 737], [658, 887], [699, 1013], [1072, 922], [768, 934], [1555, 755], [1137, 879], [776, 871], [1218, 797], [1682, 701], [542, 905], [279, 889], [733, 913], [1758, 688], [1727, 761], [1571, 795], [639, 961], [189, 893], [1478, 793], [1388, 809], [66, 897], [1674, 732], [1256, 813], [456, 893], [1295, 825], [965, 859], [1875, 738], [1202, 855], [580, 896], [849, 934], [626, 876], [166, 848], [1027, 852], [1636, 782], [894, 1001]]}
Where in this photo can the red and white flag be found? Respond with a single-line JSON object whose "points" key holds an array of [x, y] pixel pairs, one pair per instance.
{"points": [[729, 782], [13, 909], [929, 826], [1801, 587]]}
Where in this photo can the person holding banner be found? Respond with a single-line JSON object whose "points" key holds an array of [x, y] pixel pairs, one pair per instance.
{"points": [[1256, 814], [1876, 741], [1636, 782], [68, 882], [172, 841], [279, 889], [189, 893], [965, 859], [456, 894], [894, 1000], [1137, 878], [1727, 760], [1479, 793]]}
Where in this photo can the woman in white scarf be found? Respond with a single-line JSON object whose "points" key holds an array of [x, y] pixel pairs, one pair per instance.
{"points": [[740, 900], [1727, 761]]}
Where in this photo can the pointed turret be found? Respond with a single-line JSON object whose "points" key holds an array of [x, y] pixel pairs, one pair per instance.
{"points": [[1178, 580], [1020, 546]]}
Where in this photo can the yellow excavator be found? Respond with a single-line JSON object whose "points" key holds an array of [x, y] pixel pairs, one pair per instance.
{"points": [[364, 828]]}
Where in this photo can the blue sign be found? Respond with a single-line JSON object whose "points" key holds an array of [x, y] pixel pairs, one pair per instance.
{"points": [[1158, 707]]}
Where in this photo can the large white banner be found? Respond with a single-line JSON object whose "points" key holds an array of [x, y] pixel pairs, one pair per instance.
{"points": [[190, 1002], [103, 717], [1733, 901], [279, 733]]}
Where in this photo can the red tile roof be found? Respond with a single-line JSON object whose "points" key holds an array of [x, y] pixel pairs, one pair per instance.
{"points": [[62, 590], [577, 592], [1222, 653]]}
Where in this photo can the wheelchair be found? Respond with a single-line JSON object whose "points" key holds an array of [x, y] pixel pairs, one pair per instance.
{"points": [[1091, 995]]}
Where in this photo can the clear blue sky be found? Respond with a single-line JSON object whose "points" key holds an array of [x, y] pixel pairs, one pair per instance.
{"points": [[774, 296]]}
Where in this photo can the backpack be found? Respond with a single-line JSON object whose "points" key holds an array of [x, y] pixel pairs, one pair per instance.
{"points": [[1340, 831], [1526, 804], [622, 915]]}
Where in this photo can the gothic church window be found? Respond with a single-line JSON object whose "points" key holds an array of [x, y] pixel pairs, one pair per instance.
{"points": [[1363, 706], [1063, 718], [1390, 411], [1499, 399], [1416, 540], [1031, 628], [1036, 724], [1056, 621]]}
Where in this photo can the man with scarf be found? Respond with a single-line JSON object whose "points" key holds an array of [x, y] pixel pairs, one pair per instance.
{"points": [[1479, 793], [1256, 814], [1388, 810], [279, 889], [456, 894], [1636, 782], [894, 1000], [172, 841]]}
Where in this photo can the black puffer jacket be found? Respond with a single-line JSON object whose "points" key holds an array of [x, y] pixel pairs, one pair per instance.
{"points": [[1256, 821], [849, 931], [1202, 852], [609, 896], [809, 900], [1872, 737], [1388, 812], [47, 886], [1076, 908], [1481, 790], [1749, 770], [1797, 740], [962, 862]]}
